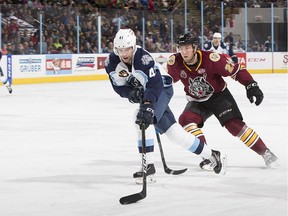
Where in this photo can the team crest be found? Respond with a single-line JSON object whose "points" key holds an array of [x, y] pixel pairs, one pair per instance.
{"points": [[171, 60], [146, 59], [200, 88], [183, 74], [214, 57], [123, 73]]}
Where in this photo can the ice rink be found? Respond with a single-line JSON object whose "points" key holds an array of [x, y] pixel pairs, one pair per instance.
{"points": [[69, 149]]}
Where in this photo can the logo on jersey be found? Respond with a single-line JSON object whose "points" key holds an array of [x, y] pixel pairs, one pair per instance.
{"points": [[201, 71], [229, 66], [123, 73], [214, 57], [200, 88], [146, 59], [171, 60], [183, 74]]}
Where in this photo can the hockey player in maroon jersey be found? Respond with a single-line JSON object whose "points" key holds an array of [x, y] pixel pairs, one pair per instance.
{"points": [[201, 73]]}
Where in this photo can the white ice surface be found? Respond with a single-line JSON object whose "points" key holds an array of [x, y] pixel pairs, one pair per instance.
{"points": [[68, 149]]}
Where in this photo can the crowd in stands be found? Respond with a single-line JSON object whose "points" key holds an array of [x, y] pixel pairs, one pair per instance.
{"points": [[60, 24]]}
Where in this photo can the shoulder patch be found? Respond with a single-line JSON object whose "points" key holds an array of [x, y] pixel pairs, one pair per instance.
{"points": [[146, 59], [171, 60], [214, 57]]}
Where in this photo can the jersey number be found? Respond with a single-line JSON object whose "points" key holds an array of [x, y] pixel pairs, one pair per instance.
{"points": [[152, 72]]}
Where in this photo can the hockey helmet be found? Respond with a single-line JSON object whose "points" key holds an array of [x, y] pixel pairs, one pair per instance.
{"points": [[187, 38], [124, 38], [217, 35]]}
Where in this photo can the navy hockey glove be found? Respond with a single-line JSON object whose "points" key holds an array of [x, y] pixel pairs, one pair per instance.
{"points": [[135, 96], [145, 115], [253, 90]]}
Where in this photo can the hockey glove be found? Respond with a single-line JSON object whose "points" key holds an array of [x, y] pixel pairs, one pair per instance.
{"points": [[253, 90], [135, 96], [234, 59], [145, 115]]}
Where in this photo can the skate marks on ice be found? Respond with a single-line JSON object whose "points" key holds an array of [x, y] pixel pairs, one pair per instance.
{"points": [[60, 155]]}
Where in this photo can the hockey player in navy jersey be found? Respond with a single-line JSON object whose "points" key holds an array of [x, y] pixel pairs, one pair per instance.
{"points": [[218, 46], [135, 76], [3, 79], [201, 73]]}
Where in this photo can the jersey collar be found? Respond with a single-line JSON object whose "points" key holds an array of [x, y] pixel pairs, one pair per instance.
{"points": [[199, 61]]}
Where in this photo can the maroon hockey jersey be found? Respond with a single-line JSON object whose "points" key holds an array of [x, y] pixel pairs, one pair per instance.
{"points": [[206, 78]]}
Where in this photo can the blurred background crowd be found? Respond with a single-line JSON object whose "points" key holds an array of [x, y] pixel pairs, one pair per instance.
{"points": [[20, 24]]}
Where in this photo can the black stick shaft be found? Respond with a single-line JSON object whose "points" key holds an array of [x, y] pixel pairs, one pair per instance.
{"points": [[141, 195], [166, 168]]}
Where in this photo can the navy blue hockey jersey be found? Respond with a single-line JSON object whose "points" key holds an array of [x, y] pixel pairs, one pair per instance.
{"points": [[143, 73]]}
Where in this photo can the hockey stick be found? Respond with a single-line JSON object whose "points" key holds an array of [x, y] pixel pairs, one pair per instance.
{"points": [[141, 195], [166, 168]]}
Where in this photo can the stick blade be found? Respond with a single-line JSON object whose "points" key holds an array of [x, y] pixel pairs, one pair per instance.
{"points": [[174, 172], [133, 198]]}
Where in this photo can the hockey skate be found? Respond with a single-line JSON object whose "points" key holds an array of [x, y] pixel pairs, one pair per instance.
{"points": [[270, 159], [206, 165], [218, 162], [9, 88], [138, 176]]}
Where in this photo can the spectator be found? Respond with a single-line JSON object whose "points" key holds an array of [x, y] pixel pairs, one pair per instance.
{"points": [[66, 49], [12, 28], [25, 36], [57, 44], [229, 39], [35, 38], [109, 47], [158, 46], [240, 44], [31, 50], [10, 48], [20, 50], [256, 47], [26, 47], [163, 28], [87, 48], [4, 50], [44, 46], [94, 49], [268, 45]]}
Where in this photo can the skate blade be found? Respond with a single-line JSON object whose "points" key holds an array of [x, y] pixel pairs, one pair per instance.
{"points": [[224, 164], [207, 167], [273, 165], [149, 179]]}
